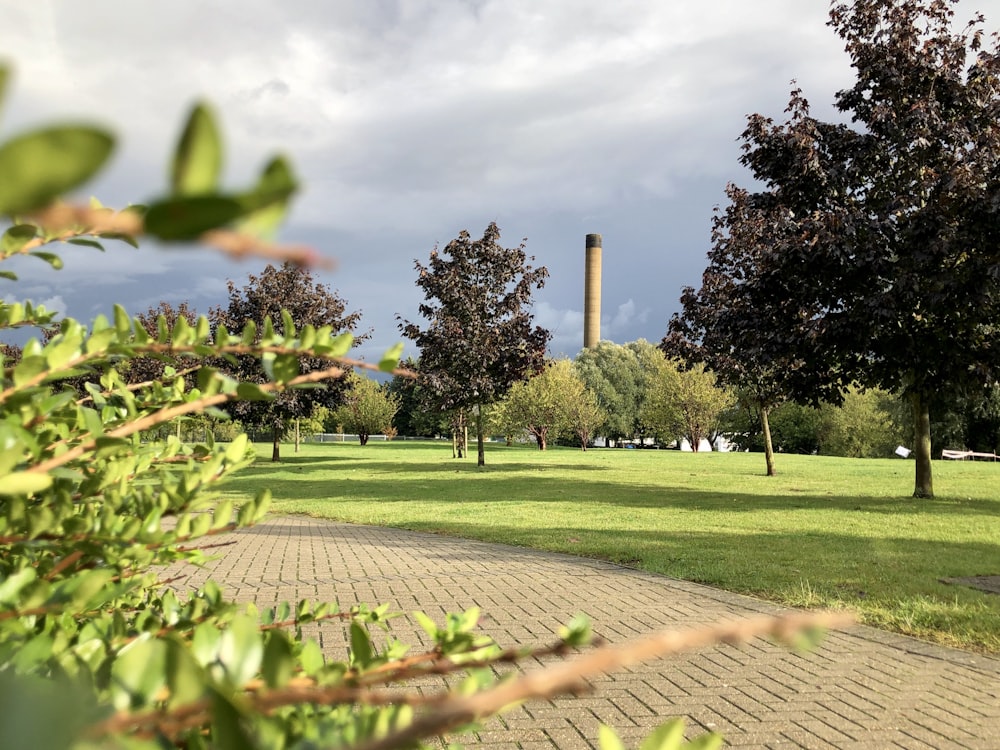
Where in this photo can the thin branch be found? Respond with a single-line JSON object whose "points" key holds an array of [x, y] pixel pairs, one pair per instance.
{"points": [[570, 676], [144, 384]]}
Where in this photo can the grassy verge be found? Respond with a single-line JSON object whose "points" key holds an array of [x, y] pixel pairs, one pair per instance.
{"points": [[826, 532]]}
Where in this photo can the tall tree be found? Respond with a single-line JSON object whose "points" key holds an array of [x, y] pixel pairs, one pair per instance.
{"points": [[290, 288], [886, 258], [737, 331], [621, 378], [479, 338]]}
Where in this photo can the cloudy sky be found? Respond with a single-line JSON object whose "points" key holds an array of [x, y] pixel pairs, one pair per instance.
{"points": [[410, 120]]}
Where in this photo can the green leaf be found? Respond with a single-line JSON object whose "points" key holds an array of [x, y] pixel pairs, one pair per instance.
{"points": [[123, 324], [667, 736], [241, 650], [284, 367], [252, 392], [198, 158], [15, 583], [287, 324], [223, 513], [578, 632], [311, 657], [86, 243], [205, 643], [8, 275], [24, 483], [279, 663], [361, 646], [187, 218], [15, 238], [138, 673], [266, 205], [608, 740], [51, 258], [430, 627], [185, 677], [390, 360], [41, 165], [710, 741], [228, 732], [4, 78]]}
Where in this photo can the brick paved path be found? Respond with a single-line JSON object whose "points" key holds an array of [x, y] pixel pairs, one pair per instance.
{"points": [[861, 688]]}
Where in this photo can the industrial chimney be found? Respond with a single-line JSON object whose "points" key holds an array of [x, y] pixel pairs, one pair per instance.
{"points": [[592, 293]]}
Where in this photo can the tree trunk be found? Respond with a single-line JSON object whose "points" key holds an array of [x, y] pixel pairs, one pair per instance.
{"points": [[363, 438], [695, 439], [540, 438], [765, 426], [275, 452], [923, 484], [480, 445], [297, 435]]}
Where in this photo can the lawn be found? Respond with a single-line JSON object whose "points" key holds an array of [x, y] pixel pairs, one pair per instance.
{"points": [[826, 532]]}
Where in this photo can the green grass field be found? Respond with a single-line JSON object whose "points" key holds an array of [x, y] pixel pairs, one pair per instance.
{"points": [[826, 532]]}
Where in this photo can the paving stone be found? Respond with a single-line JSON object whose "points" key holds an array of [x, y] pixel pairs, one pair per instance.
{"points": [[861, 688]]}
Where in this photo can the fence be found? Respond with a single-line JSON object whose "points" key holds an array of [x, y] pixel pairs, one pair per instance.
{"points": [[973, 455]]}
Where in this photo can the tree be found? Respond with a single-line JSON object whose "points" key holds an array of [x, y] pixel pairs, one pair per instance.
{"points": [[368, 407], [698, 403], [796, 427], [417, 415], [479, 339], [731, 327], [503, 419], [584, 415], [282, 299], [619, 377], [541, 404], [684, 401], [861, 427], [884, 251]]}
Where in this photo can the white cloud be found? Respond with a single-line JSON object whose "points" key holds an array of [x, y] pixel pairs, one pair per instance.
{"points": [[625, 319]]}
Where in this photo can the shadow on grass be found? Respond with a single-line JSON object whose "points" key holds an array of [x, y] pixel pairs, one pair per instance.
{"points": [[349, 463], [387, 483]]}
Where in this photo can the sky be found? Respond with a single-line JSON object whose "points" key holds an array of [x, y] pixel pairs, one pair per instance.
{"points": [[411, 120]]}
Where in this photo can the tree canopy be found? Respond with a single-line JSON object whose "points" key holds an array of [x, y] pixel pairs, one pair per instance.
{"points": [[620, 377], [367, 408], [543, 405], [876, 241], [478, 338], [284, 299]]}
